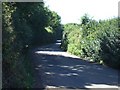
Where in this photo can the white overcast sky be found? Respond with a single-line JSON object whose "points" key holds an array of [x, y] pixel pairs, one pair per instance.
{"points": [[72, 10]]}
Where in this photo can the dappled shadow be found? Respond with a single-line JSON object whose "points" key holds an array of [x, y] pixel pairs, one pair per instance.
{"points": [[62, 70]]}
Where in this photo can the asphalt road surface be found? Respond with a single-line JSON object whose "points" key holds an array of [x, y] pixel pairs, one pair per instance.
{"points": [[55, 68]]}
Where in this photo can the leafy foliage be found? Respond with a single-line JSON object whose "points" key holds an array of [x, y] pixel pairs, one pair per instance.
{"points": [[95, 41], [24, 25]]}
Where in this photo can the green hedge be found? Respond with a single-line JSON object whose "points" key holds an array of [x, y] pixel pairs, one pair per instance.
{"points": [[23, 25], [95, 41]]}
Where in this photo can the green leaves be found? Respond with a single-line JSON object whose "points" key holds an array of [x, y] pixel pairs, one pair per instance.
{"points": [[25, 24], [96, 41]]}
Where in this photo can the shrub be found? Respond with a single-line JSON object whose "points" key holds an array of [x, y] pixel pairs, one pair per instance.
{"points": [[96, 41]]}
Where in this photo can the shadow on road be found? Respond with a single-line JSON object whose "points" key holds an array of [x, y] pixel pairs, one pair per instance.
{"points": [[57, 68]]}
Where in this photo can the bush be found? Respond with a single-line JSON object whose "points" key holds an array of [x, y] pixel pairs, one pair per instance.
{"points": [[23, 26], [96, 41]]}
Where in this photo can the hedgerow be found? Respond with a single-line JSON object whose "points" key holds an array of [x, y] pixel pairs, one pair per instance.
{"points": [[97, 41], [24, 25]]}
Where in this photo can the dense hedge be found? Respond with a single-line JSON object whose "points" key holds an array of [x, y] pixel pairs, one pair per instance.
{"points": [[23, 25], [94, 41]]}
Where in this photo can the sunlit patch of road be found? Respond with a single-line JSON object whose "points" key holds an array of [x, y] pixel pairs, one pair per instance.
{"points": [[56, 53]]}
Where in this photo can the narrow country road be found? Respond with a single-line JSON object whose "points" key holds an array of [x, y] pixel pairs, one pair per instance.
{"points": [[55, 68]]}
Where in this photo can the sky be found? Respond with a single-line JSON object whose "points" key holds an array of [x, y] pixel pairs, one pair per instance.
{"points": [[71, 11]]}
